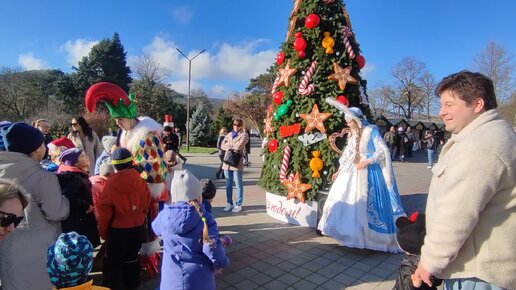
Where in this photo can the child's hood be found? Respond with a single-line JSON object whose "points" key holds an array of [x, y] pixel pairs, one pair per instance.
{"points": [[182, 218]]}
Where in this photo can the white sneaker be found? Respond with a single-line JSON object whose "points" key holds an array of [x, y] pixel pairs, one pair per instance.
{"points": [[429, 167], [228, 207], [237, 208]]}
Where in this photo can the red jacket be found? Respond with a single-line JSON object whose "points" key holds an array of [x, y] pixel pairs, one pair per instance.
{"points": [[124, 202]]}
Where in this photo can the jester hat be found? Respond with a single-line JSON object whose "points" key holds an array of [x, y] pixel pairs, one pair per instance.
{"points": [[119, 104]]}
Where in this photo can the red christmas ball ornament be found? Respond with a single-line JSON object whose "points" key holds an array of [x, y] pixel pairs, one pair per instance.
{"points": [[278, 97], [361, 61], [300, 44], [343, 100], [280, 57], [273, 145], [312, 20]]}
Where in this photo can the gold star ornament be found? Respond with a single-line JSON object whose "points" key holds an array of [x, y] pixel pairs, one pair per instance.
{"points": [[296, 189], [342, 75], [315, 120]]}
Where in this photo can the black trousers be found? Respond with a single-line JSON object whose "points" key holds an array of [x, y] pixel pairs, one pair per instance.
{"points": [[122, 266]]}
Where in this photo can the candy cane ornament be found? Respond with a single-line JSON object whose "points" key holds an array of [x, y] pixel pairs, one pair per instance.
{"points": [[346, 32], [304, 88], [284, 164], [275, 85]]}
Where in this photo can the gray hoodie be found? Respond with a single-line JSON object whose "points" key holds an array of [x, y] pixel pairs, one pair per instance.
{"points": [[23, 253]]}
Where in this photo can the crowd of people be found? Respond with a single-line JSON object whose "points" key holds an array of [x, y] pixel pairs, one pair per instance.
{"points": [[60, 199]]}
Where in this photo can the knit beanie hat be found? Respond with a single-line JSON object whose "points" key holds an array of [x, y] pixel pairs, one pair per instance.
{"points": [[108, 142], [106, 168], [61, 142], [411, 233], [121, 159], [185, 186], [208, 189], [21, 137], [70, 156], [69, 260]]}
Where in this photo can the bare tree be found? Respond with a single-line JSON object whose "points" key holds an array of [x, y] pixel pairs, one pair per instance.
{"points": [[147, 68], [250, 107], [408, 74], [199, 96], [382, 100], [428, 85], [498, 64]]}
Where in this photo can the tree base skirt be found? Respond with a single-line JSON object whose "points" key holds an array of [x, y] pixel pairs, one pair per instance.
{"points": [[291, 211]]}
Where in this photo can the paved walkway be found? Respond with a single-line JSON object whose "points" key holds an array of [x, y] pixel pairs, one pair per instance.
{"points": [[269, 254]]}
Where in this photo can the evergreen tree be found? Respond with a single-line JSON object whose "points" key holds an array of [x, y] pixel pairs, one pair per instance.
{"points": [[200, 126], [319, 59], [221, 120], [106, 62]]}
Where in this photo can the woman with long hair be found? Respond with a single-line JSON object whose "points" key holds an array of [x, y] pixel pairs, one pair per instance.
{"points": [[235, 140], [364, 201], [85, 139]]}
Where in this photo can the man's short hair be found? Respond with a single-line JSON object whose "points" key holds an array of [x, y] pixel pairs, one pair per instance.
{"points": [[468, 86]]}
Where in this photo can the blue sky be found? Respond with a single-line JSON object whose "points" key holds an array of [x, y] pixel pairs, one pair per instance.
{"points": [[242, 37]]}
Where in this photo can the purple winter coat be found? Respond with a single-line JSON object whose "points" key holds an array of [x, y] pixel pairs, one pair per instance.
{"points": [[187, 262]]}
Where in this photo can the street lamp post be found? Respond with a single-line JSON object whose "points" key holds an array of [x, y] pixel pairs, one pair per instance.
{"points": [[188, 100], [226, 95]]}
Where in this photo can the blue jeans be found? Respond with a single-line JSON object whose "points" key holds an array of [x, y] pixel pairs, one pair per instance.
{"points": [[469, 284], [431, 154], [229, 186]]}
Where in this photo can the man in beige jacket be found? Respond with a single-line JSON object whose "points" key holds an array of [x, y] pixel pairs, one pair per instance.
{"points": [[471, 220]]}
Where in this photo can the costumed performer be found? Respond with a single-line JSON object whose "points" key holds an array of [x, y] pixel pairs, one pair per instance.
{"points": [[363, 202], [142, 137]]}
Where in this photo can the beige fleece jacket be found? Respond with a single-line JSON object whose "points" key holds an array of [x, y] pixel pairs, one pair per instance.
{"points": [[471, 207]]}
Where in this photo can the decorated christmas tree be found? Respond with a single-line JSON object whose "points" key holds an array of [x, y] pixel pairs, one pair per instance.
{"points": [[319, 59]]}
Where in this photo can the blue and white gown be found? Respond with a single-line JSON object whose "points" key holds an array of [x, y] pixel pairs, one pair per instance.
{"points": [[362, 206]]}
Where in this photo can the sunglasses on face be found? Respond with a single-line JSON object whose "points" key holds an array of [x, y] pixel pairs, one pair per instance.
{"points": [[238, 125], [9, 218], [74, 124]]}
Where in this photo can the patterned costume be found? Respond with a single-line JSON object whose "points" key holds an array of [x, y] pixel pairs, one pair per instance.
{"points": [[144, 142]]}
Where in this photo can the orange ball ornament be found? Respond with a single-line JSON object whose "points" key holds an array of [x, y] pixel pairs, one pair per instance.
{"points": [[316, 164]]}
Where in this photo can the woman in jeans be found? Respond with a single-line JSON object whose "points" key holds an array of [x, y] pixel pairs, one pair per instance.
{"points": [[236, 139]]}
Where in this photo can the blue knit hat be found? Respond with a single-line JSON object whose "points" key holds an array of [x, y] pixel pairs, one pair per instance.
{"points": [[21, 137], [121, 158], [69, 260], [70, 157]]}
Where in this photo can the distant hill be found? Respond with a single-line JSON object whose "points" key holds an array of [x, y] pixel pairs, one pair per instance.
{"points": [[215, 102]]}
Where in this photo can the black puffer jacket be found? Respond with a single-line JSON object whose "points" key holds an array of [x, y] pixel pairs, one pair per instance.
{"points": [[76, 187]]}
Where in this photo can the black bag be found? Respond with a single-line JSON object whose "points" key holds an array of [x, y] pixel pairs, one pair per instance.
{"points": [[232, 157]]}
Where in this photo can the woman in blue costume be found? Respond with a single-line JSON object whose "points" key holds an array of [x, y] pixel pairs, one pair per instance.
{"points": [[364, 202]]}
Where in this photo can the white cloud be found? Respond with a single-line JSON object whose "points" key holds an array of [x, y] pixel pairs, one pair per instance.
{"points": [[230, 62], [183, 14], [181, 86], [77, 49], [29, 62]]}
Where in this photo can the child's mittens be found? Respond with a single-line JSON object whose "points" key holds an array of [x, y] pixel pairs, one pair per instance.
{"points": [[226, 240]]}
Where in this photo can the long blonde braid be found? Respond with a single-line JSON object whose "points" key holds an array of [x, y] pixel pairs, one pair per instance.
{"points": [[205, 234], [356, 160]]}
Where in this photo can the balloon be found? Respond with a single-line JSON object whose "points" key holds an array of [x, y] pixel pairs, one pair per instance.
{"points": [[273, 145], [343, 100], [361, 61], [312, 21], [278, 97], [280, 57], [282, 110]]}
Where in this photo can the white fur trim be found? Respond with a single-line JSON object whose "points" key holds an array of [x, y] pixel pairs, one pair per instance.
{"points": [[385, 163], [139, 131], [156, 189]]}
